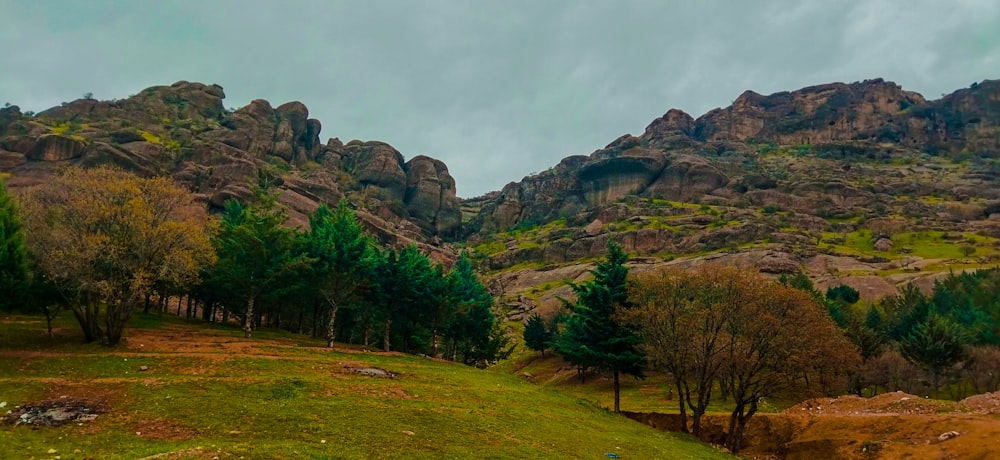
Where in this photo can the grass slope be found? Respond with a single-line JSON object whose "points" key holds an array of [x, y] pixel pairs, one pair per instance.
{"points": [[208, 393]]}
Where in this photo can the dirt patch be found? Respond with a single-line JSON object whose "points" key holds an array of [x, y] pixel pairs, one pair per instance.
{"points": [[164, 430], [897, 403], [988, 403], [54, 413], [887, 426]]}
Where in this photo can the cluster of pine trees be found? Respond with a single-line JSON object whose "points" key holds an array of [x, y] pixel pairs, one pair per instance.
{"points": [[103, 243], [945, 341]]}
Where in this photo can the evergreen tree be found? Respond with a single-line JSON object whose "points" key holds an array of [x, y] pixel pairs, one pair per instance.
{"points": [[935, 344], [472, 329], [536, 336], [343, 258], [401, 286], [592, 338], [255, 253], [13, 253]]}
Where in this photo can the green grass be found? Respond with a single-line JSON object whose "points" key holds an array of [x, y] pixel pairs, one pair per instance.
{"points": [[924, 244], [291, 398]]}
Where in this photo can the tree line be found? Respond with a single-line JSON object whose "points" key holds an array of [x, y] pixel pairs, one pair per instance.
{"points": [[733, 335], [102, 243]]}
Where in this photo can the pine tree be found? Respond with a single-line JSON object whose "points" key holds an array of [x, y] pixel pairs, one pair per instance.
{"points": [[255, 253], [343, 258], [13, 253], [592, 338], [936, 344], [536, 335]]}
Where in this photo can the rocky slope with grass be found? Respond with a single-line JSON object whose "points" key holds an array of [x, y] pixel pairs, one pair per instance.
{"points": [[862, 183]]}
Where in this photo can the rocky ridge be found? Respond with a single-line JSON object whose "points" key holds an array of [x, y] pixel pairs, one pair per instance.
{"points": [[184, 131], [845, 181], [774, 182]]}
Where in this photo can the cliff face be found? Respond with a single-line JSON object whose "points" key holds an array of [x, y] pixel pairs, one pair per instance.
{"points": [[835, 151], [785, 168], [184, 131], [673, 159]]}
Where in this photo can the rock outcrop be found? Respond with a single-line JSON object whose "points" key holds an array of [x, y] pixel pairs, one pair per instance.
{"points": [[832, 151], [184, 131]]}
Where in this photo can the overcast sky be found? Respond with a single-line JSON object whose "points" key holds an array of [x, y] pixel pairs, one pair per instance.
{"points": [[497, 90]]}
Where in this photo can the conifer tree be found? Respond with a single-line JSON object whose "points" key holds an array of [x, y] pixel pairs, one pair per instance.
{"points": [[592, 338], [255, 252], [536, 336], [13, 253], [343, 258]]}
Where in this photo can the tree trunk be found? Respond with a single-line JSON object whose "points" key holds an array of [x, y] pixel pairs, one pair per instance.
{"points": [[331, 326], [618, 408], [738, 425], [682, 396], [385, 337], [145, 309], [180, 300], [248, 318], [434, 339]]}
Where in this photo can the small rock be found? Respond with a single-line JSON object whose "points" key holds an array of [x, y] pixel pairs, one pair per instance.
{"points": [[143, 368], [408, 433], [948, 435], [52, 451]]}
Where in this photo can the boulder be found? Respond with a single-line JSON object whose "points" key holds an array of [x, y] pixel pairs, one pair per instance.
{"points": [[54, 147], [430, 196]]}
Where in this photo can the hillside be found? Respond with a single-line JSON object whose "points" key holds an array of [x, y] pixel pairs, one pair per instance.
{"points": [[864, 183], [185, 390]]}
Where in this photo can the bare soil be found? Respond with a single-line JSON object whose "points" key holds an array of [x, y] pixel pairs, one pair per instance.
{"points": [[887, 426]]}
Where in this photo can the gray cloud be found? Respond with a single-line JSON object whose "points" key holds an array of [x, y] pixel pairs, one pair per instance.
{"points": [[496, 90]]}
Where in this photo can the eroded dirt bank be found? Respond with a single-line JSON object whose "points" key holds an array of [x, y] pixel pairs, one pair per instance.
{"points": [[888, 426]]}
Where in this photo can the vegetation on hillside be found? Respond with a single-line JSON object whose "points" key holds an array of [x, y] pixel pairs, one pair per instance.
{"points": [[103, 240]]}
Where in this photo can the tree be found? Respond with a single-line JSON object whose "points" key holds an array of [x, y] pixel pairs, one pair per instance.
{"points": [[254, 252], [768, 351], [935, 344], [343, 258], [735, 329], [681, 317], [472, 328], [592, 338], [536, 336], [103, 237], [14, 280], [401, 279]]}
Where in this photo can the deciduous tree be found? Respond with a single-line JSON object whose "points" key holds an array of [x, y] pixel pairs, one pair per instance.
{"points": [[103, 237]]}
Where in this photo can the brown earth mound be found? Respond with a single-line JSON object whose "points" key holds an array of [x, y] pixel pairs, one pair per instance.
{"points": [[887, 426]]}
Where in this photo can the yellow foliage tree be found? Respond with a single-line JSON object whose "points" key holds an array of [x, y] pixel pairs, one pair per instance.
{"points": [[103, 237]]}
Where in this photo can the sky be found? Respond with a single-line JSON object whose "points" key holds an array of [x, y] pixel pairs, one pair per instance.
{"points": [[496, 90]]}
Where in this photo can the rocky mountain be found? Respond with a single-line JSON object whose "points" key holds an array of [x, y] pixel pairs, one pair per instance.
{"points": [[184, 131], [862, 183], [838, 180]]}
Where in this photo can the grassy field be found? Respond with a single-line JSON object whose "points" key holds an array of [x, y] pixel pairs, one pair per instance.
{"points": [[190, 390]]}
